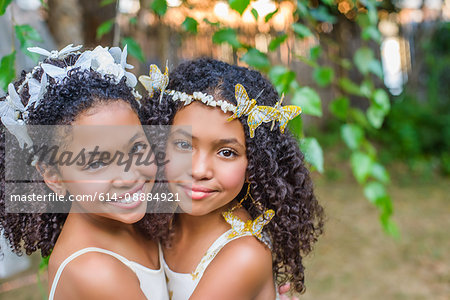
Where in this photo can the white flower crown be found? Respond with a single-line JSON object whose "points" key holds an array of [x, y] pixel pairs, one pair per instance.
{"points": [[105, 61], [256, 114]]}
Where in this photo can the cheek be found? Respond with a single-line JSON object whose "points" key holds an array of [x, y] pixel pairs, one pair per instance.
{"points": [[233, 177], [179, 164]]}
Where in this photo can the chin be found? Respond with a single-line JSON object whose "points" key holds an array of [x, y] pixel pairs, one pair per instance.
{"points": [[129, 218]]}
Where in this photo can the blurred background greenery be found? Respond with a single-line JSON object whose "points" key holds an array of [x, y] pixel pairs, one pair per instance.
{"points": [[372, 77]]}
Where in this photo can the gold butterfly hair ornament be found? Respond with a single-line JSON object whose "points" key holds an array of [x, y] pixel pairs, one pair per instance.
{"points": [[256, 114]]}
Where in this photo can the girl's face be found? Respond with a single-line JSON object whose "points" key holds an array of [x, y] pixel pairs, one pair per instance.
{"points": [[108, 128], [208, 164]]}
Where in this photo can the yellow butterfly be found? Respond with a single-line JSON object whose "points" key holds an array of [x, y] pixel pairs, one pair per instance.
{"points": [[254, 227], [156, 80], [256, 114], [287, 113]]}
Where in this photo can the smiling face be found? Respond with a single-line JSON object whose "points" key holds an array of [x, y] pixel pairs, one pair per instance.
{"points": [[108, 129], [207, 165]]}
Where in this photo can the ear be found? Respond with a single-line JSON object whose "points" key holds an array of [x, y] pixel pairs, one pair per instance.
{"points": [[52, 178]]}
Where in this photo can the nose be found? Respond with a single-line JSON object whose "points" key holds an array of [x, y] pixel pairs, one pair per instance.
{"points": [[125, 177], [202, 166]]}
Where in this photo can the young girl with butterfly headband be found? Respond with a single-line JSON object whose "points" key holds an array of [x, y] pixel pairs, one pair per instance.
{"points": [[250, 211], [99, 249]]}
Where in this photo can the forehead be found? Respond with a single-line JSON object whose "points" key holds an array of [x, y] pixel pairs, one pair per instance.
{"points": [[107, 126], [209, 122], [113, 113]]}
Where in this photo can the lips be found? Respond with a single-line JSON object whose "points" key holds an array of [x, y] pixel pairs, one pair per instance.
{"points": [[131, 192], [130, 199], [197, 192]]}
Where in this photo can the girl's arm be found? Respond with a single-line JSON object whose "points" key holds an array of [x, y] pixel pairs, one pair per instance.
{"points": [[241, 270], [98, 276]]}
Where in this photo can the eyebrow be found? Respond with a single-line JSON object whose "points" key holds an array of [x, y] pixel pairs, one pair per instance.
{"points": [[216, 142], [135, 137]]}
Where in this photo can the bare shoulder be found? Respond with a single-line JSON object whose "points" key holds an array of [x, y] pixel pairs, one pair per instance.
{"points": [[95, 275], [240, 270], [246, 253]]}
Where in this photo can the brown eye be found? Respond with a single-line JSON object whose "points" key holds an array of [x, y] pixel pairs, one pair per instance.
{"points": [[227, 153]]}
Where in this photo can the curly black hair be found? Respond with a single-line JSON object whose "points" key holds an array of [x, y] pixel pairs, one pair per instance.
{"points": [[276, 170], [61, 104]]}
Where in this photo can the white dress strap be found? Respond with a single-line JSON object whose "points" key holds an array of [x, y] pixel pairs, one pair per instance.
{"points": [[75, 255], [211, 253]]}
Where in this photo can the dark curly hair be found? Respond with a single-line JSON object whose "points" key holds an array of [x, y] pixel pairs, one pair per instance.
{"points": [[61, 104], [276, 170]]}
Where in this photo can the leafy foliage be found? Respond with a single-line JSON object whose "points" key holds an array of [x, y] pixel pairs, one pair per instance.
{"points": [[27, 35], [133, 48], [104, 28], [7, 70]]}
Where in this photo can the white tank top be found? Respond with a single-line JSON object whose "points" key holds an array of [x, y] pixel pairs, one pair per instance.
{"points": [[182, 285], [152, 282]]}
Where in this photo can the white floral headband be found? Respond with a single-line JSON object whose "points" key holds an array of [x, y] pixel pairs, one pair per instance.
{"points": [[245, 107], [106, 61]]}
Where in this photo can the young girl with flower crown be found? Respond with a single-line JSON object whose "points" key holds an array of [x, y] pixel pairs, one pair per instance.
{"points": [[99, 249], [250, 215]]}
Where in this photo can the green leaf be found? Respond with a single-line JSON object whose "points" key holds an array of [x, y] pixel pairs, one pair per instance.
{"points": [[353, 135], [104, 28], [214, 24], [323, 76], [301, 30], [371, 32], [321, 14], [44, 4], [349, 86], [255, 14], [366, 88], [296, 127], [44, 263], [27, 35], [3, 5], [313, 152], [358, 116], [361, 166], [339, 107], [276, 42], [363, 57], [376, 68], [133, 20], [302, 8], [375, 192], [190, 25], [270, 15], [389, 226], [282, 78], [381, 99], [7, 70], [256, 58], [104, 3], [380, 173], [328, 2], [239, 5], [308, 100], [315, 52], [159, 7], [375, 115], [363, 20], [133, 48], [227, 35]]}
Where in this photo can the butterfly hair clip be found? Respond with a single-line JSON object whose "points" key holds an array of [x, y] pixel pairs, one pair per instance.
{"points": [[254, 227], [155, 81]]}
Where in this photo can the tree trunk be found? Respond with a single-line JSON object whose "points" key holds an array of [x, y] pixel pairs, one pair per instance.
{"points": [[65, 22], [76, 21]]}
